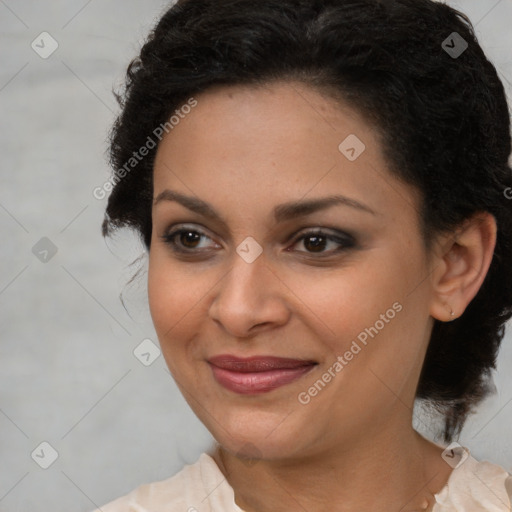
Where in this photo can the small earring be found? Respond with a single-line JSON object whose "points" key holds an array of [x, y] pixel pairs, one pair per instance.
{"points": [[452, 314]]}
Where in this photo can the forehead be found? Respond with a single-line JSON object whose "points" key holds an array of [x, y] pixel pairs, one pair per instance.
{"points": [[273, 143]]}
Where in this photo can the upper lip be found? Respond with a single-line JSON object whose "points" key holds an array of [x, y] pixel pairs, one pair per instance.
{"points": [[257, 363]]}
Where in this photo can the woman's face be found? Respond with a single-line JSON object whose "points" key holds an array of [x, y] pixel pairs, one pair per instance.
{"points": [[340, 287]]}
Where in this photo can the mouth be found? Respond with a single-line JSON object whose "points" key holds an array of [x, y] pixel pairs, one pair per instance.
{"points": [[257, 374]]}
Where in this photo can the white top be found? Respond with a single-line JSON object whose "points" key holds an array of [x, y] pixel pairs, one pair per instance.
{"points": [[473, 486]]}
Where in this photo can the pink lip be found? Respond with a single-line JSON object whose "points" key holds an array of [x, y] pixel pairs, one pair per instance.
{"points": [[257, 374]]}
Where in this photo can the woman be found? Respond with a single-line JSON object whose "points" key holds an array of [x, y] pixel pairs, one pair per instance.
{"points": [[321, 187]]}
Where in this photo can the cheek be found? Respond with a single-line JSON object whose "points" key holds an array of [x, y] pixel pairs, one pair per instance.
{"points": [[172, 295], [164, 305], [370, 303], [178, 297], [343, 303]]}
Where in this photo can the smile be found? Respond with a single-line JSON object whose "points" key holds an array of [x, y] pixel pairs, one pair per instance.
{"points": [[257, 374]]}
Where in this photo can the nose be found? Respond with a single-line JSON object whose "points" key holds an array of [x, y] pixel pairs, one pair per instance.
{"points": [[250, 298]]}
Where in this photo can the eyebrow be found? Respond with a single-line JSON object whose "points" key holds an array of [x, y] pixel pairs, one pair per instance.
{"points": [[282, 212]]}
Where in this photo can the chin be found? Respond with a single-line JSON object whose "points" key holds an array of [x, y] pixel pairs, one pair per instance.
{"points": [[257, 437]]}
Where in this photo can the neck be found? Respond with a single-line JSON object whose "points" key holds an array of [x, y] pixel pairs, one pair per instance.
{"points": [[386, 469]]}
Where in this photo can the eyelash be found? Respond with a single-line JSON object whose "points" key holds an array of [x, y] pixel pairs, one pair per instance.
{"points": [[345, 240]]}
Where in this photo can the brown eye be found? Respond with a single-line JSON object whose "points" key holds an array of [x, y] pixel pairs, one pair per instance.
{"points": [[189, 238], [315, 243], [318, 241]]}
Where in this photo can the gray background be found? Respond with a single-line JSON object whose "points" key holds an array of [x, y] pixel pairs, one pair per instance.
{"points": [[68, 374]]}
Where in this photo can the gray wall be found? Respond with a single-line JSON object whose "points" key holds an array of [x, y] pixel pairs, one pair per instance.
{"points": [[68, 373]]}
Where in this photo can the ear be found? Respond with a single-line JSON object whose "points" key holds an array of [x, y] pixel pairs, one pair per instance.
{"points": [[460, 265]]}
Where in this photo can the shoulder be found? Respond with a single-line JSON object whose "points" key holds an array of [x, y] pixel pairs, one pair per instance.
{"points": [[198, 487], [475, 485]]}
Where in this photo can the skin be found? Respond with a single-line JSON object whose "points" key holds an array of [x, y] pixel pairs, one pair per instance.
{"points": [[245, 150]]}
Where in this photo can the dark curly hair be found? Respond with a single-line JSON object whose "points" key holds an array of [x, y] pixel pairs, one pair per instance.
{"points": [[442, 118]]}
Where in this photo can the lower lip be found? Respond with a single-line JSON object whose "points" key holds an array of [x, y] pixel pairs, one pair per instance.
{"points": [[257, 382]]}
